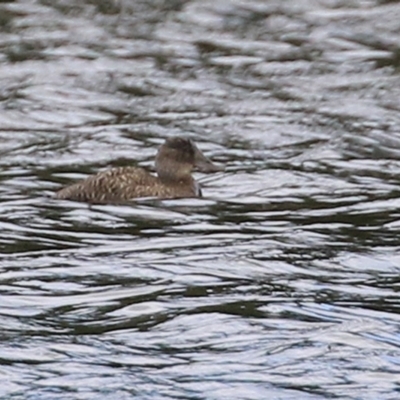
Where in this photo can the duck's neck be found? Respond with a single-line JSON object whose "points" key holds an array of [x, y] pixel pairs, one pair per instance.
{"points": [[181, 184], [174, 173], [174, 180]]}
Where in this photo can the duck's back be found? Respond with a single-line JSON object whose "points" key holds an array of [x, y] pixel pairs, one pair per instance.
{"points": [[114, 185]]}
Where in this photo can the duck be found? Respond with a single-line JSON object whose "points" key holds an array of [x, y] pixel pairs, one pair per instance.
{"points": [[175, 160]]}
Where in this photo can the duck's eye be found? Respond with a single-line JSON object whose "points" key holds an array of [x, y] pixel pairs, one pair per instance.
{"points": [[179, 143], [183, 142]]}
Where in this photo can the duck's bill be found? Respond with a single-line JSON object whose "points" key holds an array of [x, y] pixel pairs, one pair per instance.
{"points": [[203, 164]]}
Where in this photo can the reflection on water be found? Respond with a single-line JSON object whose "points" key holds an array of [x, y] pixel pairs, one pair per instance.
{"points": [[282, 282]]}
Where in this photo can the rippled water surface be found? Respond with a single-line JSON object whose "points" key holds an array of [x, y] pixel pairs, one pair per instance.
{"points": [[283, 281]]}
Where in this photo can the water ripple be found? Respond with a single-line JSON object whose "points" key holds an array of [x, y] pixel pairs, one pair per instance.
{"points": [[282, 282]]}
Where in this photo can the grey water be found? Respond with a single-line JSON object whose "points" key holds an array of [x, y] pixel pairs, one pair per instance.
{"points": [[283, 281]]}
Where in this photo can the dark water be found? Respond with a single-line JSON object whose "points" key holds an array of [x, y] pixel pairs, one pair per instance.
{"points": [[283, 282]]}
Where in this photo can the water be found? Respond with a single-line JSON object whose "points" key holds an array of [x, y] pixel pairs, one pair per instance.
{"points": [[283, 282]]}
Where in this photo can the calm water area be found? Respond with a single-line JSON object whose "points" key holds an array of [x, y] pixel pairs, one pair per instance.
{"points": [[283, 281]]}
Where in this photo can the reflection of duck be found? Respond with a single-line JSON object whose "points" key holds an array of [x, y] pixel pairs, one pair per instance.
{"points": [[175, 160]]}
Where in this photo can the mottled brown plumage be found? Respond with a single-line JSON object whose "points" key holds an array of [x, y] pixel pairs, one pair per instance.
{"points": [[175, 161]]}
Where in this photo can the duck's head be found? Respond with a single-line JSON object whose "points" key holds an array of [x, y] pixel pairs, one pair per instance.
{"points": [[177, 157]]}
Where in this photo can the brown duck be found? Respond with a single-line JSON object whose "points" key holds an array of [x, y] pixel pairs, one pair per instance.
{"points": [[175, 161]]}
